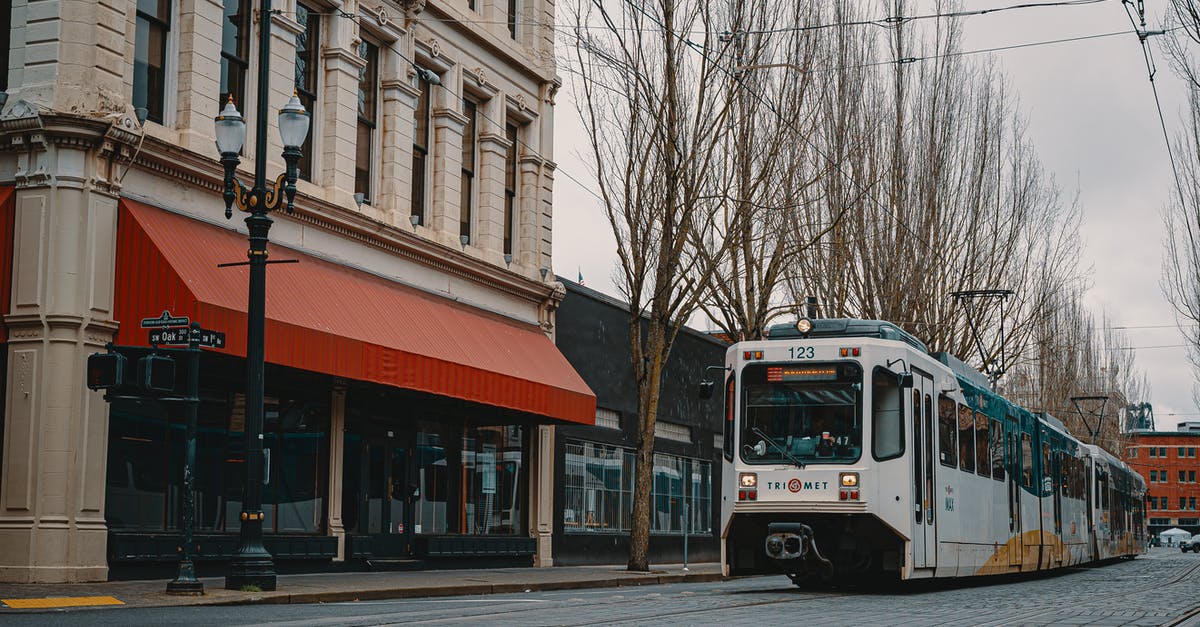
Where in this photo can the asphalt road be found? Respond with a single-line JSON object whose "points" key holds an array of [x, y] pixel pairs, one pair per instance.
{"points": [[1160, 588]]}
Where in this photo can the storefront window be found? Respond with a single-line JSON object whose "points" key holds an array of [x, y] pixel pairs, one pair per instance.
{"points": [[433, 481], [598, 491], [145, 466], [492, 481]]}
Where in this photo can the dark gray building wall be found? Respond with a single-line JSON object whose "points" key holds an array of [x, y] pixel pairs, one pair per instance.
{"points": [[592, 332]]}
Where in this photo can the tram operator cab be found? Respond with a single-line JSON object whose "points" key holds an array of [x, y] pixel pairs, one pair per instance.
{"points": [[851, 453], [798, 418]]}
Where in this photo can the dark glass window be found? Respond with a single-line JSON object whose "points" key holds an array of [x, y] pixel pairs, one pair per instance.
{"points": [[730, 405], [510, 186], [467, 202], [308, 47], [1162, 452], [493, 477], [1026, 460], [982, 445], [1153, 451], [966, 439], [512, 18], [420, 151], [5, 27], [947, 432], [145, 466], [1182, 476], [368, 87], [235, 53], [997, 451], [150, 57], [887, 415]]}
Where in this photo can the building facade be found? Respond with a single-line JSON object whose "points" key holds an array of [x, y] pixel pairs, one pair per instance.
{"points": [[412, 382], [1167, 461], [594, 465]]}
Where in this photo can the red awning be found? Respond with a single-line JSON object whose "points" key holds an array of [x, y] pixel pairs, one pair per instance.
{"points": [[336, 320]]}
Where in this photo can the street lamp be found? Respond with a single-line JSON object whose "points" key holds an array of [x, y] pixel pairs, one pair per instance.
{"points": [[252, 564]]}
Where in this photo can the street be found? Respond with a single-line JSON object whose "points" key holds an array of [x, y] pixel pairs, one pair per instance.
{"points": [[1156, 589]]}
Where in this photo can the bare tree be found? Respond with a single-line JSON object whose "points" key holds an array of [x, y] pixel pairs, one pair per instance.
{"points": [[652, 98], [1181, 262]]}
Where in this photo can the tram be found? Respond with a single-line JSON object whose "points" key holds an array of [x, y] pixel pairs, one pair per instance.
{"points": [[852, 452]]}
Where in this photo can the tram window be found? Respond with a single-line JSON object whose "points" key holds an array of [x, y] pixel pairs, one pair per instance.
{"points": [[887, 415], [727, 437], [1047, 470], [918, 462], [947, 432], [997, 450], [966, 439], [982, 444], [1026, 461]]}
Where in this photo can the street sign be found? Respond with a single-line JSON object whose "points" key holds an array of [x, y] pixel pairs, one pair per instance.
{"points": [[169, 337], [165, 320], [205, 337], [183, 336]]}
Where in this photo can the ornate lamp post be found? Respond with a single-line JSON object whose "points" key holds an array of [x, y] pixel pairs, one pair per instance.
{"points": [[252, 564]]}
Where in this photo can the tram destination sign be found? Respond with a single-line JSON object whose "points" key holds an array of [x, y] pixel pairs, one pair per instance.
{"points": [[184, 335], [164, 321]]}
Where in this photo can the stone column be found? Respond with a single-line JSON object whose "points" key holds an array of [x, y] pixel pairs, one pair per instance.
{"points": [[337, 121], [529, 168], [448, 126], [337, 449], [394, 199], [541, 497], [52, 483], [199, 75], [493, 147]]}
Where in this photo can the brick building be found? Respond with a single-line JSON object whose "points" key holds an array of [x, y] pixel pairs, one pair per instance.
{"points": [[1167, 461]]}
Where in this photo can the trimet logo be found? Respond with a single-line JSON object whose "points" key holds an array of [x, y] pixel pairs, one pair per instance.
{"points": [[796, 485]]}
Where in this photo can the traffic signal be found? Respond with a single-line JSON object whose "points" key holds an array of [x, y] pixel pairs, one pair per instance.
{"points": [[105, 370], [157, 373]]}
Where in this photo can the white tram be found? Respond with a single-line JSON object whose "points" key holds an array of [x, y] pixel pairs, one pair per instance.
{"points": [[852, 452]]}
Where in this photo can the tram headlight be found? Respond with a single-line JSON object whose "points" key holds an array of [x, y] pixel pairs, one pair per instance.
{"points": [[748, 480], [848, 479], [804, 325]]}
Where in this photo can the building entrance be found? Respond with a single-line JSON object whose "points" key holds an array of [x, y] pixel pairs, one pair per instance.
{"points": [[378, 483]]}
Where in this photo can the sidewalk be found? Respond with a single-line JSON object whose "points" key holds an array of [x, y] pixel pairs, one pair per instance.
{"points": [[331, 587]]}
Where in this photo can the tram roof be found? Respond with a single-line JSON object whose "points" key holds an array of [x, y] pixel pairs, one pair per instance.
{"points": [[846, 327]]}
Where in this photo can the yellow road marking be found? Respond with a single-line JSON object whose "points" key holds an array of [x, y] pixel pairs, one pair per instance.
{"points": [[26, 604]]}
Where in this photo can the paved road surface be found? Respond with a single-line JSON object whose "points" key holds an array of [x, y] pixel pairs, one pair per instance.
{"points": [[1161, 588]]}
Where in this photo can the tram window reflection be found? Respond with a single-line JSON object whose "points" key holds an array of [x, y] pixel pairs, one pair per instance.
{"points": [[947, 432]]}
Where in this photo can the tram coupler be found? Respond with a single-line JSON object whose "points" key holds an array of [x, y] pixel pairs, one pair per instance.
{"points": [[795, 541]]}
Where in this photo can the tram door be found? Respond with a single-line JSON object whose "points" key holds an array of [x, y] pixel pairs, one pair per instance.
{"points": [[924, 504], [1015, 543]]}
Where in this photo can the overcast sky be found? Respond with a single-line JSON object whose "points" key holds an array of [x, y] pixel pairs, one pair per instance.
{"points": [[1092, 118]]}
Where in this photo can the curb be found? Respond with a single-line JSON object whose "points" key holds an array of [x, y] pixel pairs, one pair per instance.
{"points": [[378, 594]]}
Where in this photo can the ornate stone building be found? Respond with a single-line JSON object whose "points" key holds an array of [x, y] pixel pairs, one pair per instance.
{"points": [[412, 380]]}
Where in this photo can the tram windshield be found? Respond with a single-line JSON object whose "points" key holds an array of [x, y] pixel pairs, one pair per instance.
{"points": [[806, 414]]}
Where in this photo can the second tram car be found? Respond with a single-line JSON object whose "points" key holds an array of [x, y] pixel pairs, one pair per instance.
{"points": [[851, 451]]}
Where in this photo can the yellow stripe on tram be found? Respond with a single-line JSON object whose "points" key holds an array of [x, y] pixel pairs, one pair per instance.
{"points": [[52, 602]]}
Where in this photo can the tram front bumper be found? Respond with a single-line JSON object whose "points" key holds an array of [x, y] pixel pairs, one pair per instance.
{"points": [[786, 542]]}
